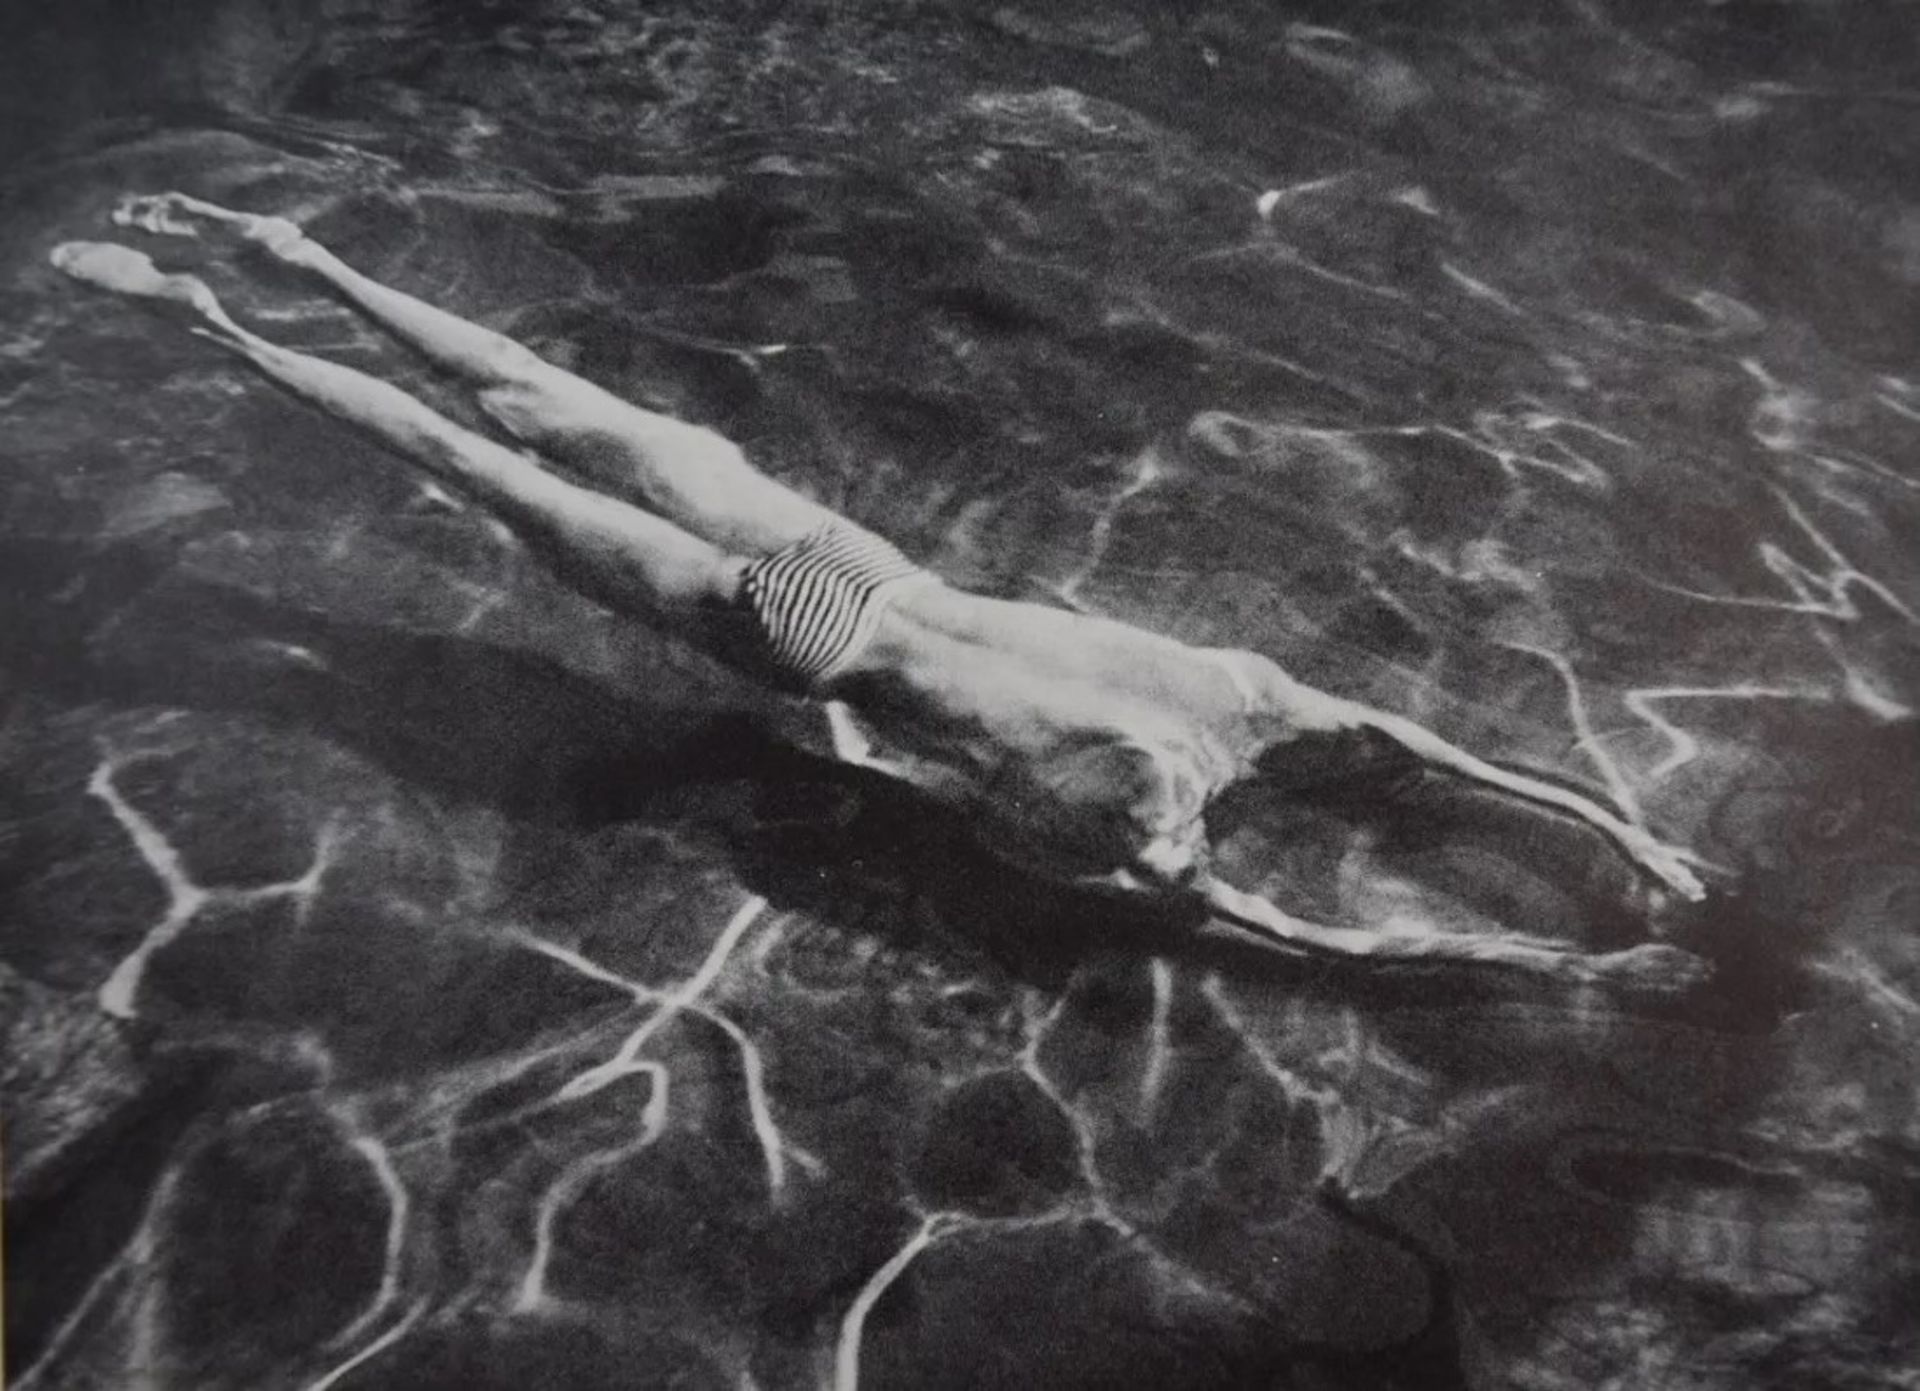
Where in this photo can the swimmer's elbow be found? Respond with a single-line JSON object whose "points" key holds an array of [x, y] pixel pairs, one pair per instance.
{"points": [[1302, 709], [1168, 864], [1144, 883]]}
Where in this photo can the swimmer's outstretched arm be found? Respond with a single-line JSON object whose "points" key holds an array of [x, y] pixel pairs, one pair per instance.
{"points": [[1652, 967], [612, 552], [1302, 709]]}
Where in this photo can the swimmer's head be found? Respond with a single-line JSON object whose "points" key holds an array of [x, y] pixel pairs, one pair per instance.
{"points": [[1105, 801]]}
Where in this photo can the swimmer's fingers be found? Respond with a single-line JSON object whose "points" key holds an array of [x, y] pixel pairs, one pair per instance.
{"points": [[1672, 865], [1653, 968]]}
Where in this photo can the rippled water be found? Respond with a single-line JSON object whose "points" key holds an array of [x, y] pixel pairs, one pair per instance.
{"points": [[508, 1012]]}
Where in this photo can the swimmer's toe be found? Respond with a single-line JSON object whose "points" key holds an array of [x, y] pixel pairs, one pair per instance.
{"points": [[159, 214], [182, 215]]}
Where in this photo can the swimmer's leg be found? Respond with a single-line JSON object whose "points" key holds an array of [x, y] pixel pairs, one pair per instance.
{"points": [[1651, 968], [614, 553], [689, 474], [1302, 708]]}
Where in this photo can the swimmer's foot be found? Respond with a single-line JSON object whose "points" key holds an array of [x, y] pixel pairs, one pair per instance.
{"points": [[182, 215], [124, 271]]}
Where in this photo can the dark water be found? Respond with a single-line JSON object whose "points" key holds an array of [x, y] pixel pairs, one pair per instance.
{"points": [[506, 1013]]}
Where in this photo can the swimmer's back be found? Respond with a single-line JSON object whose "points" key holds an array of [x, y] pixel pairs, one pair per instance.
{"points": [[1086, 747], [1105, 659]]}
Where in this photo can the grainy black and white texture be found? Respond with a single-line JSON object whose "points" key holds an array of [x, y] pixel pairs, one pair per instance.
{"points": [[414, 978]]}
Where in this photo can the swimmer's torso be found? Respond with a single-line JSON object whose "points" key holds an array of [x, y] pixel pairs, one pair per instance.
{"points": [[1084, 746]]}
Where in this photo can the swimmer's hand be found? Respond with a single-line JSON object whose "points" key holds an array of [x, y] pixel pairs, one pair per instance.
{"points": [[1653, 968], [1670, 864]]}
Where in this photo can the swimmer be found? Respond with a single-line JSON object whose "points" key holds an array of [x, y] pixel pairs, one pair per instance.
{"points": [[1085, 750]]}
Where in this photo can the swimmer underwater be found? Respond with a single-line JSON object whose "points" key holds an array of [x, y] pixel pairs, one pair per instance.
{"points": [[1087, 750]]}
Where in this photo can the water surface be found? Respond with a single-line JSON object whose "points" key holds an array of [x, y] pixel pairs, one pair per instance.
{"points": [[416, 978]]}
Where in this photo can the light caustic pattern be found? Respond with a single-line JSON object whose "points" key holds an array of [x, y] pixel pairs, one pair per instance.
{"points": [[1535, 443], [186, 899], [776, 1151], [399, 1304], [935, 1228], [1347, 1137], [375, 1330], [1822, 596], [422, 1132], [393, 1311]]}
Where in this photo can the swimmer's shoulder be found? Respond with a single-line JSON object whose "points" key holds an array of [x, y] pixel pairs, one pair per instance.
{"points": [[1278, 702]]}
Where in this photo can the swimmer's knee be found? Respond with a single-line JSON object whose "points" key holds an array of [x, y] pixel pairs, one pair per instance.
{"points": [[194, 291], [509, 407], [1171, 864], [539, 404]]}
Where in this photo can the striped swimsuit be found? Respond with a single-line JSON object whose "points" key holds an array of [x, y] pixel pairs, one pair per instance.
{"points": [[818, 602]]}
